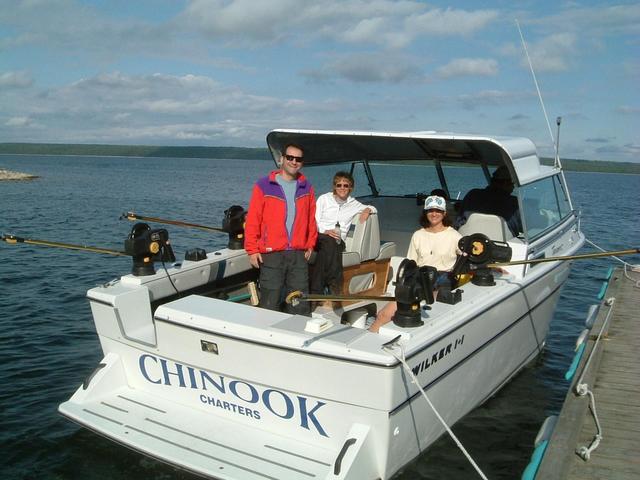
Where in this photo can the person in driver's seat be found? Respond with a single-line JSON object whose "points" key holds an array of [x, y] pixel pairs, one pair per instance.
{"points": [[495, 199]]}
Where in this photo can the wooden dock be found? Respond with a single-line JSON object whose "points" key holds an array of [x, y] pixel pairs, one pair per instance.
{"points": [[610, 369]]}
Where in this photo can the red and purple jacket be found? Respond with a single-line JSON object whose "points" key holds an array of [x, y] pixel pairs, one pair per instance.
{"points": [[265, 229]]}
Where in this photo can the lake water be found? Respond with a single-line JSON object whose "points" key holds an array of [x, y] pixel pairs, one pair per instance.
{"points": [[48, 343]]}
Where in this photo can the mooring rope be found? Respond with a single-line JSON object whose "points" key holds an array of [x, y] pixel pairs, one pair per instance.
{"points": [[584, 452], [581, 389], [626, 264], [389, 348]]}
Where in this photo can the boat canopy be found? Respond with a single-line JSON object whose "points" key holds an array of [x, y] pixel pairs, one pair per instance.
{"points": [[327, 147]]}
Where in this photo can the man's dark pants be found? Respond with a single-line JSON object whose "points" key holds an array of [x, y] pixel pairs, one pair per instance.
{"points": [[280, 274]]}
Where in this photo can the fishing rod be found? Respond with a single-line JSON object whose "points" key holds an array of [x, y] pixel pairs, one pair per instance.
{"points": [[630, 251], [13, 239], [144, 245], [134, 216], [477, 252], [297, 296], [232, 224]]}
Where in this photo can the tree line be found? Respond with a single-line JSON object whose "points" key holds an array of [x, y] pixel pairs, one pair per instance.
{"points": [[245, 153]]}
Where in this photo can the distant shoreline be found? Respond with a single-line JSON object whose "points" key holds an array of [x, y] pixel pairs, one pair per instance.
{"points": [[142, 151], [244, 153]]}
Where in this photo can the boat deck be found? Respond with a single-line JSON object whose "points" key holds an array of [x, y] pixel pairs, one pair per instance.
{"points": [[614, 378]]}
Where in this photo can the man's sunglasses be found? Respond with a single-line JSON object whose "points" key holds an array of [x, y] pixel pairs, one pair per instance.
{"points": [[293, 158], [342, 185]]}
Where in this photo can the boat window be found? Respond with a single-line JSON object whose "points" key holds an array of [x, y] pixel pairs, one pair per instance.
{"points": [[544, 204], [404, 179], [462, 178], [362, 181], [321, 177], [563, 199]]}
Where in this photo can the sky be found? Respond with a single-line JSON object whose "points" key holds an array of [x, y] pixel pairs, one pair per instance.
{"points": [[226, 72]]}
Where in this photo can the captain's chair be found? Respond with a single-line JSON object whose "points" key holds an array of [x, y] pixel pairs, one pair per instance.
{"points": [[493, 226], [363, 242], [365, 260]]}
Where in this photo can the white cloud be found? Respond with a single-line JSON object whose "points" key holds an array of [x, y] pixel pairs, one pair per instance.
{"points": [[243, 20], [364, 30], [73, 26], [450, 22], [156, 108], [585, 30], [15, 80], [631, 68], [632, 150], [369, 68], [628, 109], [156, 94], [597, 140], [597, 20], [489, 97], [392, 24], [58, 26], [18, 122], [8, 43], [468, 66], [553, 53], [372, 56]]}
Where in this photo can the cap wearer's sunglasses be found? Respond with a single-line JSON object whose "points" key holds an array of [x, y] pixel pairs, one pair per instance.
{"points": [[293, 158]]}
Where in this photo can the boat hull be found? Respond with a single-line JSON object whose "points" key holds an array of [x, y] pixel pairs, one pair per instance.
{"points": [[285, 391]]}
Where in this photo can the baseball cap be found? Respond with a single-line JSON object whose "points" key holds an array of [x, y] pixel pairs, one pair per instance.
{"points": [[435, 202]]}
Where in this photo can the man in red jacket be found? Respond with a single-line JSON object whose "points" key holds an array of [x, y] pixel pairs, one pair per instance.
{"points": [[280, 231]]}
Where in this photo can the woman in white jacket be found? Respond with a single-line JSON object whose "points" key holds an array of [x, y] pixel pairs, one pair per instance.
{"points": [[334, 213]]}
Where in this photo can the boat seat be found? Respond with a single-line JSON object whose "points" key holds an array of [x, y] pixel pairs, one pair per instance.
{"points": [[365, 259], [493, 226], [363, 242]]}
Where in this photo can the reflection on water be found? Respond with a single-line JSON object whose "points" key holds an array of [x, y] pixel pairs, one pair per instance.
{"points": [[47, 338]]}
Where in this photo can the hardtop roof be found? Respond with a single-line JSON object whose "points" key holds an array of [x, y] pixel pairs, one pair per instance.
{"points": [[329, 146]]}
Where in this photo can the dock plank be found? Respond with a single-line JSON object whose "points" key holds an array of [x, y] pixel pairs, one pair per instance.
{"points": [[614, 378]]}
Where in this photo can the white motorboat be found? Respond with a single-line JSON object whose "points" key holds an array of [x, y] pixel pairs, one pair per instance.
{"points": [[195, 376]]}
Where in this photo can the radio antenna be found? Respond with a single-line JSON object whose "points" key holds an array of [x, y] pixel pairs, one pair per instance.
{"points": [[544, 110]]}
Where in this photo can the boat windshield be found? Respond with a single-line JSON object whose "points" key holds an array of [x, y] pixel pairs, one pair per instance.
{"points": [[462, 178], [389, 178], [400, 179], [321, 177], [545, 203]]}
